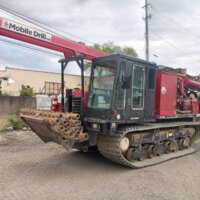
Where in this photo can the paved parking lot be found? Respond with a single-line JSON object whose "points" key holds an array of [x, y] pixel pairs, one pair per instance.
{"points": [[30, 169]]}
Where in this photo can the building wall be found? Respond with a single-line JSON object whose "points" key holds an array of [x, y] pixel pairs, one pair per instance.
{"points": [[11, 105], [35, 79]]}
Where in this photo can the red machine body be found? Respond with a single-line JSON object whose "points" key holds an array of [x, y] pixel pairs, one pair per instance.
{"points": [[173, 95], [166, 93], [75, 104], [76, 94], [54, 103]]}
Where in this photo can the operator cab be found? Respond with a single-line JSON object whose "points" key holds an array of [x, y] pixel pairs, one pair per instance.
{"points": [[121, 91]]}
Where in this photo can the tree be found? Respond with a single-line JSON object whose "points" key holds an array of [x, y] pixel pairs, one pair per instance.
{"points": [[27, 91], [111, 48]]}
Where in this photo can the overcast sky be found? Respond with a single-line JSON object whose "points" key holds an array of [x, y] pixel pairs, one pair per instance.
{"points": [[174, 29]]}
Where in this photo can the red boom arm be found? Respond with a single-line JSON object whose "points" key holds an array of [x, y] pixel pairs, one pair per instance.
{"points": [[41, 38], [195, 85]]}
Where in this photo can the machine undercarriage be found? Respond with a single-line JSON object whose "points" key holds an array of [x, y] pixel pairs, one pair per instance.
{"points": [[151, 144], [135, 146]]}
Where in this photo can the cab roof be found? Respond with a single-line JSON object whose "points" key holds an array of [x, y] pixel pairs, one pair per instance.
{"points": [[121, 56]]}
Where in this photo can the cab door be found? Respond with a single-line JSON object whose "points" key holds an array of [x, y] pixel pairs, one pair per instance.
{"points": [[150, 94], [120, 92], [135, 103]]}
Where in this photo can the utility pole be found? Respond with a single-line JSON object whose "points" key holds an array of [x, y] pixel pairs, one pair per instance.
{"points": [[147, 17]]}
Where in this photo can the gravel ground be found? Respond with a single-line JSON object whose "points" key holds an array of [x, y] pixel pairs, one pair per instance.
{"points": [[30, 169]]}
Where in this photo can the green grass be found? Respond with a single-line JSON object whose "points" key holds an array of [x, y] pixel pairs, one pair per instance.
{"points": [[8, 123], [16, 123]]}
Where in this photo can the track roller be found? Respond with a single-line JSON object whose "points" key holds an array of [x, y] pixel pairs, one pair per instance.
{"points": [[120, 148]]}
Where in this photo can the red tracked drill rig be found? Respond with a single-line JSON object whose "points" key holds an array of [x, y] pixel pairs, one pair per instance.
{"points": [[137, 114]]}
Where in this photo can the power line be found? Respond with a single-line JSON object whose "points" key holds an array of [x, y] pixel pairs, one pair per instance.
{"points": [[176, 24], [164, 57], [32, 21], [173, 23], [166, 22], [169, 43], [35, 22], [169, 59], [23, 46], [23, 17], [12, 43], [172, 45]]}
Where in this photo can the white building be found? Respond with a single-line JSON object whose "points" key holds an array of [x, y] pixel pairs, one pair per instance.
{"points": [[40, 81]]}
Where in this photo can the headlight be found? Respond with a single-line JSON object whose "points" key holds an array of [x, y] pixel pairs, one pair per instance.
{"points": [[95, 126], [113, 125]]}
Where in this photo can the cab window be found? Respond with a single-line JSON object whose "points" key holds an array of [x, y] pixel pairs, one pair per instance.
{"points": [[120, 91], [138, 77]]}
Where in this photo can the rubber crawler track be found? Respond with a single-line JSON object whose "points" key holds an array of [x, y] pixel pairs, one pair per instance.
{"points": [[109, 146]]}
